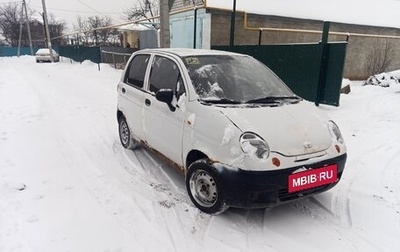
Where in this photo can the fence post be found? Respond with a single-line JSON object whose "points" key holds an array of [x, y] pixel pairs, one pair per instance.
{"points": [[115, 63], [324, 64], [99, 58]]}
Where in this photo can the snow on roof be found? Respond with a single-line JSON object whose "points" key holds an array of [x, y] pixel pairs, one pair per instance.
{"points": [[383, 13], [36, 17], [136, 27]]}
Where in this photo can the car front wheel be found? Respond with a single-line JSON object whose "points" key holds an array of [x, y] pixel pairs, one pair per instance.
{"points": [[125, 134], [204, 188]]}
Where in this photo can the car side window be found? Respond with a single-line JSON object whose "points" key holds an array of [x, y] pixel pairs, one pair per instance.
{"points": [[165, 74], [137, 70]]}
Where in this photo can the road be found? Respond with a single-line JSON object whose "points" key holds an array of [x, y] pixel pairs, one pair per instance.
{"points": [[66, 183]]}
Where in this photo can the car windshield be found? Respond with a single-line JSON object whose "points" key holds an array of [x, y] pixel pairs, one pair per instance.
{"points": [[234, 79]]}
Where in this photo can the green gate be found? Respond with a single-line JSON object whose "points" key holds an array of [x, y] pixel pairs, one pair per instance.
{"points": [[299, 66]]}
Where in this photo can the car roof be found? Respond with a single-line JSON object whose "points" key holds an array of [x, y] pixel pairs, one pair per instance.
{"points": [[184, 52], [44, 50]]}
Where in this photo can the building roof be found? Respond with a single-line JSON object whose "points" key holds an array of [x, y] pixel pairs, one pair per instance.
{"points": [[136, 27], [384, 13]]}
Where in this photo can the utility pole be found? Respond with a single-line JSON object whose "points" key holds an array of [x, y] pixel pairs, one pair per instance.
{"points": [[164, 24], [27, 27], [20, 33], [47, 30]]}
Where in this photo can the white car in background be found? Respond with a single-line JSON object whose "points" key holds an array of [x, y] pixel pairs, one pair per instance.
{"points": [[238, 133], [43, 55]]}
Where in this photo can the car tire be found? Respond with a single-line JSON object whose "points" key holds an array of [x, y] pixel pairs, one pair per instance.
{"points": [[204, 187], [125, 134]]}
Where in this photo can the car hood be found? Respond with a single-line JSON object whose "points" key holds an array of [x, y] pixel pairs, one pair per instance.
{"points": [[291, 130]]}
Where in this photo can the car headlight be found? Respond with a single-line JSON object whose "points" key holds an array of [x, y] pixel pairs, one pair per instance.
{"points": [[252, 144], [335, 132]]}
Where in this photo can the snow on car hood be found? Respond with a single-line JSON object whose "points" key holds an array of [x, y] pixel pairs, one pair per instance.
{"points": [[290, 130]]}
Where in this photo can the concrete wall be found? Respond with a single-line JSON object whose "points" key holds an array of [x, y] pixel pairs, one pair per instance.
{"points": [[357, 51]]}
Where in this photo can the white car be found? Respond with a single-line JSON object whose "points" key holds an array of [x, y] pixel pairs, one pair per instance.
{"points": [[43, 55], [240, 136]]}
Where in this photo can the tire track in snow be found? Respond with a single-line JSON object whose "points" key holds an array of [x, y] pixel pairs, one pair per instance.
{"points": [[170, 184], [391, 181], [313, 208], [170, 198]]}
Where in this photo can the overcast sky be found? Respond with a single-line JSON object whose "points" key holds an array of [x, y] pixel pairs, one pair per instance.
{"points": [[68, 10], [373, 12]]}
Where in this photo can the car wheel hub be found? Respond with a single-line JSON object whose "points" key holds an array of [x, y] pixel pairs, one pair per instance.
{"points": [[124, 132], [204, 188]]}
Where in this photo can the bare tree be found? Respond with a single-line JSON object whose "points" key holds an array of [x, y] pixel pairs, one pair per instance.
{"points": [[56, 28], [94, 23], [10, 17], [95, 29], [143, 9], [82, 27], [114, 38], [101, 33], [380, 57]]}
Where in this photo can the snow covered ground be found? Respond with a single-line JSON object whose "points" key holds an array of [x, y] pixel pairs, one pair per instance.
{"points": [[66, 183]]}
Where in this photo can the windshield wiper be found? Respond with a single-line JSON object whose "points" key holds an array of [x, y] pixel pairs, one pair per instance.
{"points": [[273, 99], [220, 101]]}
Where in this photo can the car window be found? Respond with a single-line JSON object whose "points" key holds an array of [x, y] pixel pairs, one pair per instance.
{"points": [[165, 75], [235, 78], [45, 51], [137, 70]]}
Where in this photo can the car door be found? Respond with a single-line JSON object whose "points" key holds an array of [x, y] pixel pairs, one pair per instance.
{"points": [[131, 92], [163, 124]]}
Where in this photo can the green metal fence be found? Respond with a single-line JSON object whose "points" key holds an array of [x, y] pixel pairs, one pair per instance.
{"points": [[7, 51], [298, 65], [76, 53], [81, 54]]}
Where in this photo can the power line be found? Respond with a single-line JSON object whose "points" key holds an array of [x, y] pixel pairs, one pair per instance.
{"points": [[75, 11], [88, 6], [10, 1]]}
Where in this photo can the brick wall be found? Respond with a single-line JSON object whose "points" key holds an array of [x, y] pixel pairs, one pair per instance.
{"points": [[357, 50]]}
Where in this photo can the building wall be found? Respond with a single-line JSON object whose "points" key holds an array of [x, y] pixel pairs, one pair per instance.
{"points": [[182, 29], [131, 38], [359, 47], [357, 50]]}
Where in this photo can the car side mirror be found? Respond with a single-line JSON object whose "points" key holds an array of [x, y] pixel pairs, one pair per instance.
{"points": [[167, 96]]}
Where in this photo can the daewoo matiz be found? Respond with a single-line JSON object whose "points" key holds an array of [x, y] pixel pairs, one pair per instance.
{"points": [[238, 133]]}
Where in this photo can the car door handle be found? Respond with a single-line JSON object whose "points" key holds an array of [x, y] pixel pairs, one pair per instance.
{"points": [[147, 102], [123, 90]]}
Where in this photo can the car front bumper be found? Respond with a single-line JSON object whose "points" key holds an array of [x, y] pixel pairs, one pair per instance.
{"points": [[258, 189]]}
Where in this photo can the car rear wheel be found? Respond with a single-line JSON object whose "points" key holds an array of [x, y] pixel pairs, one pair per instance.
{"points": [[204, 187], [125, 134]]}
